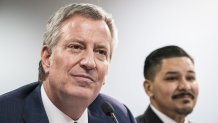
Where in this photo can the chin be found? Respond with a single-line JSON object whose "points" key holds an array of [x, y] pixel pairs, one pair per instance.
{"points": [[185, 110], [86, 94]]}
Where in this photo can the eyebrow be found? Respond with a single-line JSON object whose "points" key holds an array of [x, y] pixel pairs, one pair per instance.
{"points": [[174, 72], [101, 46], [171, 72], [191, 71], [83, 42], [75, 40]]}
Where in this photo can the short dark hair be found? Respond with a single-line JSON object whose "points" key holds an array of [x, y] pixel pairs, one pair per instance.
{"points": [[153, 60]]}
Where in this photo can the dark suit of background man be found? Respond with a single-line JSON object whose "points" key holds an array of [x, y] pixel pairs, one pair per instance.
{"points": [[170, 82], [77, 49]]}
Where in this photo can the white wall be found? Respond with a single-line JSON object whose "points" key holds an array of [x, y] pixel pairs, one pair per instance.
{"points": [[143, 25]]}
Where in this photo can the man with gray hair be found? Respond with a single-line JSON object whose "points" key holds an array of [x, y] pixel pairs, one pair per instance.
{"points": [[76, 52]]}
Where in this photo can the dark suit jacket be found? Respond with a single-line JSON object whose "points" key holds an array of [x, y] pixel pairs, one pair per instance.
{"points": [[24, 105], [148, 117]]}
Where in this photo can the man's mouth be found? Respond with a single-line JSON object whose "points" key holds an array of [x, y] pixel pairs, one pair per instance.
{"points": [[82, 77], [183, 95]]}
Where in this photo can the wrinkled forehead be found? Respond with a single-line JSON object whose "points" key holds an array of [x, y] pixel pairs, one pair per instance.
{"points": [[82, 26]]}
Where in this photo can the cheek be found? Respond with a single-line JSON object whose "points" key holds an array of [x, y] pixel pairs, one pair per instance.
{"points": [[195, 89], [60, 61], [165, 91], [102, 70]]}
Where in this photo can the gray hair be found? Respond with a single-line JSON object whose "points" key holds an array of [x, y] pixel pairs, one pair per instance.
{"points": [[52, 34]]}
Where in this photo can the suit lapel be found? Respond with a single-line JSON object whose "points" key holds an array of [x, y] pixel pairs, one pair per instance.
{"points": [[34, 111], [95, 114], [151, 117]]}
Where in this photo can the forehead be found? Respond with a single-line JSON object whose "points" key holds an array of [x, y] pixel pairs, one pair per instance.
{"points": [[78, 24], [176, 64]]}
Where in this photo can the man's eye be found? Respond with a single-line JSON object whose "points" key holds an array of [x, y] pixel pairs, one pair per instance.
{"points": [[172, 78], [102, 52], [75, 46], [190, 78]]}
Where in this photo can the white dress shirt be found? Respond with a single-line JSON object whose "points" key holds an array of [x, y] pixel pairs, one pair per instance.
{"points": [[57, 116], [164, 117]]}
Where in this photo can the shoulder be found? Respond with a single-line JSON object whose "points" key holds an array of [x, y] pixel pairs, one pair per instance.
{"points": [[140, 119], [14, 103], [18, 94], [148, 116], [121, 111], [114, 102], [105, 98]]}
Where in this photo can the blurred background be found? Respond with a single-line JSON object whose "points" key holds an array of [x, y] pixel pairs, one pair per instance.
{"points": [[143, 25]]}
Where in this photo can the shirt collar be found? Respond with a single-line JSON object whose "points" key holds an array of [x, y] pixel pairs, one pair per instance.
{"points": [[57, 116], [164, 117]]}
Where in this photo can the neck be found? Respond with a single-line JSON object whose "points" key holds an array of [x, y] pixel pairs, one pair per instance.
{"points": [[72, 107], [171, 114], [175, 116], [178, 119], [74, 112]]}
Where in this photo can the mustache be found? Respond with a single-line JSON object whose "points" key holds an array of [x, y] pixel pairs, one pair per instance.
{"points": [[182, 94]]}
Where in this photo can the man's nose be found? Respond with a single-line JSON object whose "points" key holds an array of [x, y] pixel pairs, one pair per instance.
{"points": [[88, 60], [184, 85]]}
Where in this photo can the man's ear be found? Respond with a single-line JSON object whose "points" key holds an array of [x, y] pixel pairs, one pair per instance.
{"points": [[45, 58], [148, 86]]}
